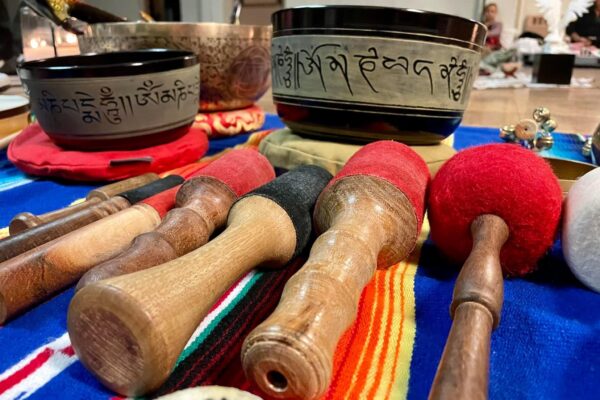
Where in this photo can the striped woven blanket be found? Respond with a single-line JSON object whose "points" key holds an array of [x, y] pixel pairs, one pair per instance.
{"points": [[547, 345]]}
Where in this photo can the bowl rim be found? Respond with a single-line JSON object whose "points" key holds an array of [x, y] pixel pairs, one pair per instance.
{"points": [[167, 24], [362, 17], [66, 66]]}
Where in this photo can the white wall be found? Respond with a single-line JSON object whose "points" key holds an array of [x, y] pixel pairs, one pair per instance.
{"points": [[205, 10], [464, 8]]}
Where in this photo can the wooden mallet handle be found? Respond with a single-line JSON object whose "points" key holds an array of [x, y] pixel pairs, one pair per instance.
{"points": [[35, 275], [463, 371], [26, 220], [31, 238], [129, 330], [367, 222], [24, 241], [203, 202]]}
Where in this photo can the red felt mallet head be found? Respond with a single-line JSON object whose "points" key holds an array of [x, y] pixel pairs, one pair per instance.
{"points": [[396, 163], [243, 170], [500, 179]]}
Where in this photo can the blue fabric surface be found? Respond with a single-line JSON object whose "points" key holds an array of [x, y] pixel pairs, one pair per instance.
{"points": [[548, 343]]}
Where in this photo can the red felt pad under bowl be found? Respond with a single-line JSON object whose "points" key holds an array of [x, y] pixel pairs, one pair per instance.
{"points": [[499, 179], [34, 153], [231, 123]]}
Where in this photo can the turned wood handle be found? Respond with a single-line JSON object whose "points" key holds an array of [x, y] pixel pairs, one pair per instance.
{"points": [[463, 371], [14, 245], [33, 276], [25, 220], [113, 189], [129, 330], [204, 203], [28, 220], [21, 242], [368, 222]]}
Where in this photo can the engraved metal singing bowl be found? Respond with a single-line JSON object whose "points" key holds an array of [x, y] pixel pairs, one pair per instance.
{"points": [[356, 73], [235, 62], [114, 101]]}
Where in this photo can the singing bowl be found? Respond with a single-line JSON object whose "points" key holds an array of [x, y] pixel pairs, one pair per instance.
{"points": [[234, 59], [360, 73], [114, 101]]}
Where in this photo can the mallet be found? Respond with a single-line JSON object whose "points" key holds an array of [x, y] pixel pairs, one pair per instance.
{"points": [[129, 330], [480, 211], [370, 216], [26, 220], [26, 240], [40, 272], [33, 276], [580, 230], [204, 202]]}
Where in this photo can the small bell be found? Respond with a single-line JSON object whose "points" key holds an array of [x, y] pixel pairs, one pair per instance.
{"points": [[549, 125], [544, 142], [526, 129], [507, 133], [541, 114], [586, 150]]}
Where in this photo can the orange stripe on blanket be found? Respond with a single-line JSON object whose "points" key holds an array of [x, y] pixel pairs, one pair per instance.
{"points": [[372, 334], [346, 371], [372, 360], [377, 371]]}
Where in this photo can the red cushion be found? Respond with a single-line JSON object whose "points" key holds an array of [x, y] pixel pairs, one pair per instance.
{"points": [[231, 123], [34, 153]]}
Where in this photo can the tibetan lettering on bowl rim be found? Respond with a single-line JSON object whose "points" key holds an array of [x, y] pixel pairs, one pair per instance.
{"points": [[367, 73], [113, 101]]}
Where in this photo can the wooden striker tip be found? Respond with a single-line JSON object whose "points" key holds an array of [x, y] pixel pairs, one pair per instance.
{"points": [[109, 322], [23, 221]]}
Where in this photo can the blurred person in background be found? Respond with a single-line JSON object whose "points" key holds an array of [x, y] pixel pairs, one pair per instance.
{"points": [[586, 29], [490, 20]]}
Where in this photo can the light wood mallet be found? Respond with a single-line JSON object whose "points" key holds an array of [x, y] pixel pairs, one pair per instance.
{"points": [[26, 240], [129, 330], [26, 220], [369, 216], [203, 204], [480, 213]]}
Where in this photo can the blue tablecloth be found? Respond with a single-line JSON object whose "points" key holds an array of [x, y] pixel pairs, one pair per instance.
{"points": [[547, 346]]}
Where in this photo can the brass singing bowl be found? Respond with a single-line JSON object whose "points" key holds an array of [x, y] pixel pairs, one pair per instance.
{"points": [[235, 60]]}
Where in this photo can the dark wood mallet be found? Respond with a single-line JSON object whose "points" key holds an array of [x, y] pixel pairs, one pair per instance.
{"points": [[17, 244], [203, 204], [26, 220], [480, 212], [129, 330], [33, 276], [369, 216]]}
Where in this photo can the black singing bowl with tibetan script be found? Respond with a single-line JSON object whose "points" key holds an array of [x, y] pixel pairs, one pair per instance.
{"points": [[354, 73], [115, 100]]}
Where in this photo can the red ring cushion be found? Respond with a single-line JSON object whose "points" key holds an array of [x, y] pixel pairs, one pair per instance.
{"points": [[34, 153], [231, 123]]}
